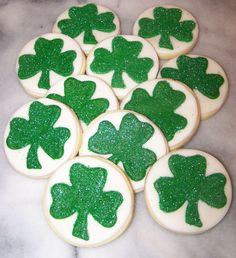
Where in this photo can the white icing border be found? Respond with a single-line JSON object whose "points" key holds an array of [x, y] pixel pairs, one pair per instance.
{"points": [[99, 235], [175, 221]]}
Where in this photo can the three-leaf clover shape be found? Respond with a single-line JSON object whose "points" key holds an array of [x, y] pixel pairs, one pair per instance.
{"points": [[122, 59], [193, 72], [37, 132], [125, 145], [78, 96], [85, 196], [48, 57], [166, 23], [190, 184], [160, 107], [85, 19]]}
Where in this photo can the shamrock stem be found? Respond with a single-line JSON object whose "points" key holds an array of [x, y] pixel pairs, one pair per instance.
{"points": [[165, 42], [89, 37], [117, 80], [192, 215], [80, 228], [32, 158], [44, 81]]}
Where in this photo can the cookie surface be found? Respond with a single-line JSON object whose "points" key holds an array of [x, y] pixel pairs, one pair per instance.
{"points": [[170, 29], [87, 96], [188, 191], [170, 105], [204, 76], [123, 62], [41, 136], [88, 202], [47, 59], [88, 24], [129, 140]]}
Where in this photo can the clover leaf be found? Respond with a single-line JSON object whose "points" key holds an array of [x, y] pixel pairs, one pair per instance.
{"points": [[122, 59], [160, 107], [193, 72], [85, 19], [48, 57], [37, 132], [85, 196], [125, 145], [166, 23], [78, 96], [190, 184]]}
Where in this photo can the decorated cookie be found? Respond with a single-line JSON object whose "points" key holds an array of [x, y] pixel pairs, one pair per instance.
{"points": [[188, 191], [170, 105], [123, 62], [204, 76], [88, 96], [41, 136], [88, 24], [88, 202], [47, 59], [129, 140], [171, 30]]}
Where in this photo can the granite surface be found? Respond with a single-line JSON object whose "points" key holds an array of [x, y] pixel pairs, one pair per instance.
{"points": [[23, 229]]}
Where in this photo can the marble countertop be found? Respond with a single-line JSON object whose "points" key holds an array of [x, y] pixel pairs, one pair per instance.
{"points": [[24, 232]]}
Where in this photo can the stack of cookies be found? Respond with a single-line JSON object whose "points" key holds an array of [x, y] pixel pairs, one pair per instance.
{"points": [[107, 122]]}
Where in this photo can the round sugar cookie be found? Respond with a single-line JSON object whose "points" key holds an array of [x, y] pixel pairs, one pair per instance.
{"points": [[123, 62], [204, 76], [129, 140], [188, 191], [88, 24], [170, 104], [41, 136], [170, 29], [88, 202], [87, 96], [47, 59]]}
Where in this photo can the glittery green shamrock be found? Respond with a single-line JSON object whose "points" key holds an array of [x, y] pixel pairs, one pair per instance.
{"points": [[37, 132], [190, 184], [48, 57], [160, 107], [193, 72], [78, 96], [166, 23], [85, 19], [125, 145], [85, 196], [122, 59]]}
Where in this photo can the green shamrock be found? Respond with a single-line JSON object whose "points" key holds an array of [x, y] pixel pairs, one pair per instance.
{"points": [[122, 58], [166, 23], [125, 145], [193, 72], [160, 107], [48, 57], [85, 196], [78, 96], [85, 19], [190, 184], [37, 132]]}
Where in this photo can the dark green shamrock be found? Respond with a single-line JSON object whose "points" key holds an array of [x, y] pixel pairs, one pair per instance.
{"points": [[122, 59], [37, 132], [85, 196], [48, 57], [78, 96], [160, 107], [190, 184], [166, 23], [125, 145], [85, 19], [193, 72]]}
